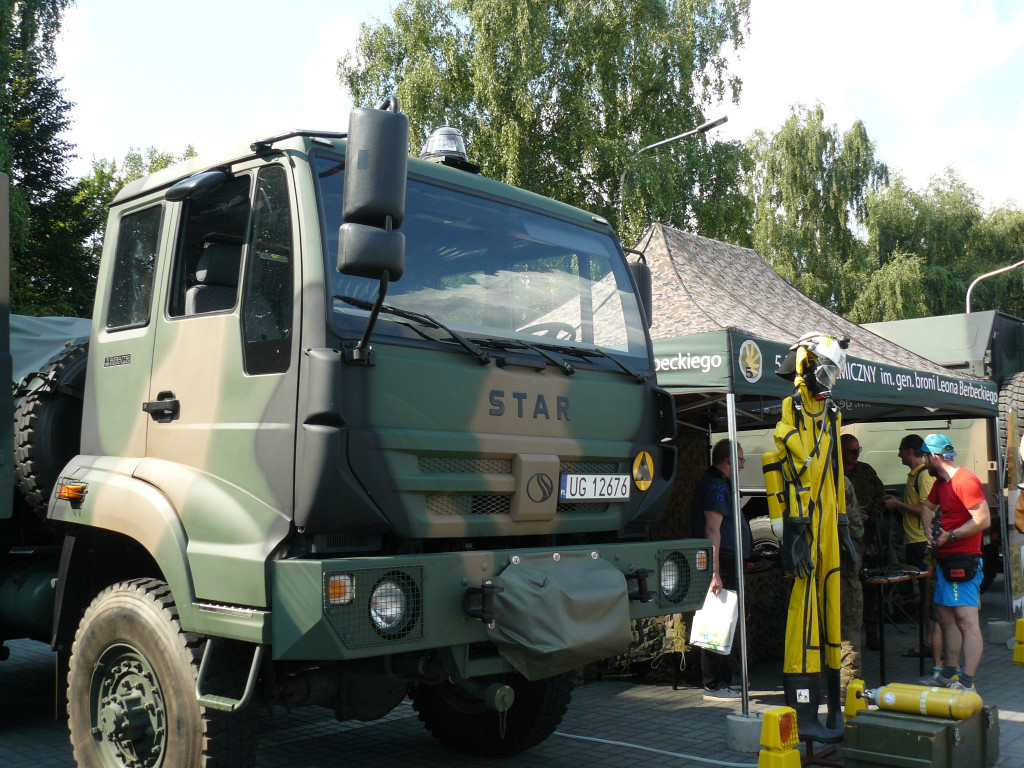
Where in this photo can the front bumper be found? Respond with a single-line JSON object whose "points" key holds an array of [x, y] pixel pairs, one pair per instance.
{"points": [[305, 625]]}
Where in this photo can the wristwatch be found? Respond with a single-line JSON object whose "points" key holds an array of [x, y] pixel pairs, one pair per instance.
{"points": [[952, 535]]}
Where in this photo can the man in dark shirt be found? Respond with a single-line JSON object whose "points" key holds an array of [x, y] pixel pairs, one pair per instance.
{"points": [[711, 515], [870, 497]]}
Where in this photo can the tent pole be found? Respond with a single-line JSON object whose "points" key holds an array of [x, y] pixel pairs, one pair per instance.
{"points": [[1004, 509], [730, 400]]}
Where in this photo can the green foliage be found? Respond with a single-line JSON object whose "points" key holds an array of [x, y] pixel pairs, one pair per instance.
{"points": [[809, 187], [554, 96], [46, 260], [94, 192], [936, 242], [895, 291]]}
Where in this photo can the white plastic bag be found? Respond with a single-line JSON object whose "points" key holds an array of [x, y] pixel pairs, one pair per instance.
{"points": [[715, 624]]}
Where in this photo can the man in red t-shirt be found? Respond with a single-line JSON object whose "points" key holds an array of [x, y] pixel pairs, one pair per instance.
{"points": [[961, 498]]}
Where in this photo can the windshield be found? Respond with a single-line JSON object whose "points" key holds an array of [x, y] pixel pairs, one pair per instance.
{"points": [[492, 270]]}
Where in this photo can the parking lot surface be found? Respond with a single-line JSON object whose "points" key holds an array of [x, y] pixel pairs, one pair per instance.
{"points": [[618, 718]]}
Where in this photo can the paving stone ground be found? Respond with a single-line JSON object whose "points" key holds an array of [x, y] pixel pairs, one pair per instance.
{"points": [[652, 716]]}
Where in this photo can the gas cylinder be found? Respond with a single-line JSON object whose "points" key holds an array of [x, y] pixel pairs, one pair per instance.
{"points": [[921, 700]]}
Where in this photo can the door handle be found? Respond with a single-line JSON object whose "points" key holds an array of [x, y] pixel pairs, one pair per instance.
{"points": [[164, 409]]}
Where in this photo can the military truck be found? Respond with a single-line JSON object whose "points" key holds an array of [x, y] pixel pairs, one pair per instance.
{"points": [[988, 344], [354, 426]]}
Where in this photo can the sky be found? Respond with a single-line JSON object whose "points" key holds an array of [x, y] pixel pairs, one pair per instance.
{"points": [[936, 83]]}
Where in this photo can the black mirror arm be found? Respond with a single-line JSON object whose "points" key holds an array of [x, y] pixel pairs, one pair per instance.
{"points": [[361, 353]]}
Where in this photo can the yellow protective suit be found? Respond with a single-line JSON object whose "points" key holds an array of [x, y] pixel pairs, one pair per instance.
{"points": [[807, 439]]}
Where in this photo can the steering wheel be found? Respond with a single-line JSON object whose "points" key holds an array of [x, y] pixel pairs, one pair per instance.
{"points": [[552, 330]]}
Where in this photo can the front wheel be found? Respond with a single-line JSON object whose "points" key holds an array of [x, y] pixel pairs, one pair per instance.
{"points": [[462, 723], [131, 688]]}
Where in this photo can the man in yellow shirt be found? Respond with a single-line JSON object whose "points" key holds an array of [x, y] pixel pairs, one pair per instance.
{"points": [[919, 485]]}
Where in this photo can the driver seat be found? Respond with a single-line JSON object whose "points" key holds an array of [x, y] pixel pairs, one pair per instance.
{"points": [[216, 285]]}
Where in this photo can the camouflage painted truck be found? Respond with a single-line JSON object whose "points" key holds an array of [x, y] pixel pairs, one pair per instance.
{"points": [[354, 427]]}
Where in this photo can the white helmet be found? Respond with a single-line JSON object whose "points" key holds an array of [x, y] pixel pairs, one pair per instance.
{"points": [[830, 354]]}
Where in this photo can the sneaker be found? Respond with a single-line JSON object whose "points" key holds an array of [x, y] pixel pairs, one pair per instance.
{"points": [[956, 685], [936, 680], [721, 693]]}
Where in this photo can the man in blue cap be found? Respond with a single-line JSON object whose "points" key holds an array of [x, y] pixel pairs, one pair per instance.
{"points": [[961, 498]]}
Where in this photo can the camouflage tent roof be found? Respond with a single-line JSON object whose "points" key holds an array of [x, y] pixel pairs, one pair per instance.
{"points": [[703, 285]]}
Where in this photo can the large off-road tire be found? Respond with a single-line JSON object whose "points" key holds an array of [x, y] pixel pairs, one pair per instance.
{"points": [[131, 688], [464, 724], [48, 425], [1011, 398]]}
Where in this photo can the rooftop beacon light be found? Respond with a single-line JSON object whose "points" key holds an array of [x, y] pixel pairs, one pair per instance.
{"points": [[447, 146]]}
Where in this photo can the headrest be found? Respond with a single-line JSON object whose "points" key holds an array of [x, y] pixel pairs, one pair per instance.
{"points": [[219, 264]]}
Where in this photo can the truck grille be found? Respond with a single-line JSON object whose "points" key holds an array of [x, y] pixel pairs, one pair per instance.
{"points": [[496, 504], [471, 504], [475, 466]]}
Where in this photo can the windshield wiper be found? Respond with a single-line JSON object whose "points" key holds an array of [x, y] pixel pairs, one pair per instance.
{"points": [[423, 319], [637, 376], [511, 345]]}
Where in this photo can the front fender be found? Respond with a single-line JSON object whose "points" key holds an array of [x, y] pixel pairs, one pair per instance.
{"points": [[230, 533], [116, 501]]}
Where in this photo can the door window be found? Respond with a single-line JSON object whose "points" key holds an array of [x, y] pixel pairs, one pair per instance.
{"points": [[209, 255], [131, 288], [267, 304]]}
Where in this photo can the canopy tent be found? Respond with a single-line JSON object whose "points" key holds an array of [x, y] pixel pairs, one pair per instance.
{"points": [[724, 319]]}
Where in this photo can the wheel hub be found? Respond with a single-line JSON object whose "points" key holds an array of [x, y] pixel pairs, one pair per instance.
{"points": [[128, 713]]}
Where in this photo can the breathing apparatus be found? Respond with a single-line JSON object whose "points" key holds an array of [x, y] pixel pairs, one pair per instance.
{"points": [[817, 359]]}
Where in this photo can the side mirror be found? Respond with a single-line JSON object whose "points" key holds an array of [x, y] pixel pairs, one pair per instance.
{"points": [[376, 168], [645, 285], [367, 252]]}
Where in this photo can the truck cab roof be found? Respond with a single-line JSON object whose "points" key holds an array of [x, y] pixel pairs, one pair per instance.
{"points": [[304, 142]]}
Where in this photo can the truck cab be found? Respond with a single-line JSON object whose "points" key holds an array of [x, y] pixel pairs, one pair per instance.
{"points": [[348, 487]]}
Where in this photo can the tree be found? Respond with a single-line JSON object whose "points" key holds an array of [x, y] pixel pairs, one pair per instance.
{"points": [[1000, 237], [95, 192], [895, 291], [555, 96], [951, 240], [809, 186], [46, 260]]}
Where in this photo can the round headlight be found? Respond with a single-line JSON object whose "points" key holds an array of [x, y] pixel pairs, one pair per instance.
{"points": [[388, 603], [669, 576], [675, 577]]}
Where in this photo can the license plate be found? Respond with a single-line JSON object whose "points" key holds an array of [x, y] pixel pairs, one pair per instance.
{"points": [[594, 488]]}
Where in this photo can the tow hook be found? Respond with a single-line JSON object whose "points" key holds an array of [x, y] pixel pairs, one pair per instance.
{"points": [[478, 602], [496, 696], [636, 582]]}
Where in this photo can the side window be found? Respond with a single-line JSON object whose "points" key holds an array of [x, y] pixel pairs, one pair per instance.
{"points": [[131, 287], [267, 303], [209, 255]]}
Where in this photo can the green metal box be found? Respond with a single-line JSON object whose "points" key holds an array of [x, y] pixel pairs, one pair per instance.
{"points": [[877, 739]]}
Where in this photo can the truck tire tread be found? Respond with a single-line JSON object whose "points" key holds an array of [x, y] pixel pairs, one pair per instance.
{"points": [[537, 710], [145, 608], [47, 427]]}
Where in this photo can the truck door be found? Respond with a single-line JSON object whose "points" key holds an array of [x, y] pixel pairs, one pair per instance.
{"points": [[120, 360], [223, 388]]}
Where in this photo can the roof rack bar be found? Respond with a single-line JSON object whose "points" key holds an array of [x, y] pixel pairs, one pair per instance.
{"points": [[262, 145]]}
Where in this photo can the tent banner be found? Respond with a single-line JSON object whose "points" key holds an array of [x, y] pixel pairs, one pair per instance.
{"points": [[700, 361], [754, 362]]}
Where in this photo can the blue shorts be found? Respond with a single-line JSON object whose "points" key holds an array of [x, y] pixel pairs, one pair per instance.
{"points": [[953, 593]]}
